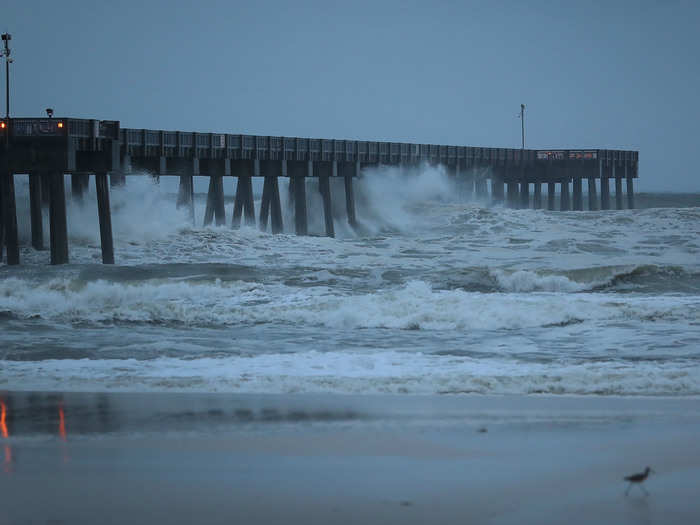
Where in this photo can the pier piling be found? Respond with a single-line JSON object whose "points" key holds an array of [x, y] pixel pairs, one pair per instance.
{"points": [[37, 224], [592, 197], [551, 195], [265, 203], [105, 218], [45, 190], [480, 186], [512, 194], [497, 188], [215, 202], [58, 227], [630, 189], [604, 190], [537, 198], [277, 225], [298, 172], [79, 185], [185, 194], [578, 194], [564, 200], [243, 205], [618, 192], [350, 199], [324, 187], [524, 195], [9, 217]]}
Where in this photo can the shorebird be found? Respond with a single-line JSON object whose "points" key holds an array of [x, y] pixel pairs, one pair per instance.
{"points": [[638, 479]]}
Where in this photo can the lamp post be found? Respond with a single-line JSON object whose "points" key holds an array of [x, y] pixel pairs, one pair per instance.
{"points": [[6, 37], [522, 122]]}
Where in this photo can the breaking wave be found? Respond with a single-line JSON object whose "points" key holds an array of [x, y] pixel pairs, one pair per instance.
{"points": [[415, 305]]}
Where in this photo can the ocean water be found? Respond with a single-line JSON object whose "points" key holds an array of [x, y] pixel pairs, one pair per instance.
{"points": [[435, 294]]}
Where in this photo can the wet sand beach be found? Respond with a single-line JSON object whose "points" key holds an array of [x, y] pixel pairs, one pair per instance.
{"points": [[200, 458]]}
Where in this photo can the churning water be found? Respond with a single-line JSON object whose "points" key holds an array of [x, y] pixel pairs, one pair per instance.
{"points": [[433, 295]]}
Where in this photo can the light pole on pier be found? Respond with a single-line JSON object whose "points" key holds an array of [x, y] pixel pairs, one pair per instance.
{"points": [[522, 123], [6, 37]]}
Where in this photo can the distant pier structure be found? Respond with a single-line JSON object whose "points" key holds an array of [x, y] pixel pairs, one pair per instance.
{"points": [[46, 149]]}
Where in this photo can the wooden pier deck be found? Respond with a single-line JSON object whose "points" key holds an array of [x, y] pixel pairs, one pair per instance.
{"points": [[48, 148]]}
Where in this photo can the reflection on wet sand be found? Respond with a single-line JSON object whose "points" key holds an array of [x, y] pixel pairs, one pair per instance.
{"points": [[61, 422], [7, 462], [35, 418]]}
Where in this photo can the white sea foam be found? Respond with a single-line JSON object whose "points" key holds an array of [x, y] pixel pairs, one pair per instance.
{"points": [[346, 373], [527, 281], [413, 306]]}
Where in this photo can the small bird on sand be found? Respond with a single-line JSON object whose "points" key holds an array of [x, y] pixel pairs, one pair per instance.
{"points": [[638, 479]]}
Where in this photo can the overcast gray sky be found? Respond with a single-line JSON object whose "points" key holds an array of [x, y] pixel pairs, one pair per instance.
{"points": [[592, 74]]}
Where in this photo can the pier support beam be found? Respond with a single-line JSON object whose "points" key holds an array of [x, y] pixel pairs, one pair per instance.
{"points": [[275, 207], [324, 186], [79, 185], [480, 187], [35, 211], [185, 194], [497, 190], [243, 204], [512, 198], [105, 216], [215, 202], [265, 204], [565, 201], [8, 205], [618, 193], [578, 194], [300, 219], [524, 195], [537, 198], [271, 206], [58, 223], [350, 197], [604, 192], [592, 197], [630, 190], [45, 190], [551, 195]]}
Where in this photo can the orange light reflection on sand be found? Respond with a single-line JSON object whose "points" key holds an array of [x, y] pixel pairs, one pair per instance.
{"points": [[6, 434], [3, 416], [61, 423]]}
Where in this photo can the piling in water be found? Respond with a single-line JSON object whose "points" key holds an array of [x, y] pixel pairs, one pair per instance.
{"points": [[105, 217], [564, 200], [9, 217], [58, 227], [324, 187], [215, 202], [592, 197], [37, 223]]}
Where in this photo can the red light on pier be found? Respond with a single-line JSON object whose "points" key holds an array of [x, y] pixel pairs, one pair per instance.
{"points": [[60, 125], [3, 125]]}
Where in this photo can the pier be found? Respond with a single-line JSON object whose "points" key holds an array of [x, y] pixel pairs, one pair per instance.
{"points": [[46, 149]]}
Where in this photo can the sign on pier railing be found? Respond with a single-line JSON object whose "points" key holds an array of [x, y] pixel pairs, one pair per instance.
{"points": [[564, 154]]}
